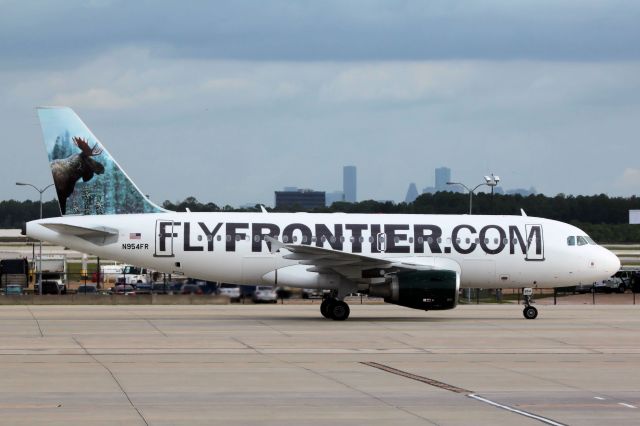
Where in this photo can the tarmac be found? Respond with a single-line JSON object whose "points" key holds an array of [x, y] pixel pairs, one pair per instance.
{"points": [[285, 364]]}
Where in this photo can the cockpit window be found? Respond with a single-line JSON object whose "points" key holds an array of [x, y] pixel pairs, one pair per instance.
{"points": [[571, 241], [582, 241], [591, 241]]}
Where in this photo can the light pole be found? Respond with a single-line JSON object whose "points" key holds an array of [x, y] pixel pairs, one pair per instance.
{"points": [[492, 181], [40, 250], [470, 192]]}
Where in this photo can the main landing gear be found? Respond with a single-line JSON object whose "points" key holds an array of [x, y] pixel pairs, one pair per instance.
{"points": [[334, 309], [529, 311]]}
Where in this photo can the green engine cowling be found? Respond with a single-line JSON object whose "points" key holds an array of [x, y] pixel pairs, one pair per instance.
{"points": [[427, 290]]}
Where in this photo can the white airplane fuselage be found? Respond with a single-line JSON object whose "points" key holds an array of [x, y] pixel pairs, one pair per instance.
{"points": [[490, 251]]}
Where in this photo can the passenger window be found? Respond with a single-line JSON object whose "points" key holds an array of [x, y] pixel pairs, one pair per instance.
{"points": [[571, 241], [495, 241], [396, 240], [361, 239], [351, 239], [467, 240], [439, 240], [582, 241], [313, 239], [505, 241], [228, 237], [238, 237], [429, 240], [256, 238], [219, 238], [285, 239], [304, 238], [410, 240], [295, 239]]}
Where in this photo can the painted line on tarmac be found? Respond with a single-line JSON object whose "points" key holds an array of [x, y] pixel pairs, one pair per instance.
{"points": [[468, 393], [624, 404], [599, 398], [517, 411]]}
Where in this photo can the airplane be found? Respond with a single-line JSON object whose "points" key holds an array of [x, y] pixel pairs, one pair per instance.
{"points": [[416, 261]]}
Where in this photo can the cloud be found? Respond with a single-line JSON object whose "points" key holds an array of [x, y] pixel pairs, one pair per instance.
{"points": [[55, 34]]}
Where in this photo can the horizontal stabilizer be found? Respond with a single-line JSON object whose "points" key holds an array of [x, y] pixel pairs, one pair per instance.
{"points": [[99, 235]]}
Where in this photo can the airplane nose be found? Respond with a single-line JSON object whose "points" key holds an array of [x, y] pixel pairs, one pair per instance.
{"points": [[611, 263]]}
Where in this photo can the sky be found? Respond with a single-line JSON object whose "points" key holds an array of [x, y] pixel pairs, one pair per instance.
{"points": [[229, 101]]}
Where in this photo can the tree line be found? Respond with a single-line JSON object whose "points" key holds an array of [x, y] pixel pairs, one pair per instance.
{"points": [[604, 218]]}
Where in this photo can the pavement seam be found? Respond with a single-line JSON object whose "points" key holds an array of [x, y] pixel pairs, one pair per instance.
{"points": [[113, 376], [370, 395], [148, 321], [36, 320]]}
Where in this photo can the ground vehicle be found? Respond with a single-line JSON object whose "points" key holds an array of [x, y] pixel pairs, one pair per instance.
{"points": [[87, 289], [143, 288], [54, 268], [230, 290], [583, 288], [312, 293], [125, 289], [133, 275], [610, 285], [265, 294], [51, 287], [14, 271], [160, 288], [13, 290], [191, 289]]}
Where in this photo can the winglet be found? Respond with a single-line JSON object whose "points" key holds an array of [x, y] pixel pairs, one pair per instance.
{"points": [[522, 212], [264, 210]]}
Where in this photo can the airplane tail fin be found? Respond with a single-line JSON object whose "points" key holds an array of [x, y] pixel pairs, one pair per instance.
{"points": [[87, 179]]}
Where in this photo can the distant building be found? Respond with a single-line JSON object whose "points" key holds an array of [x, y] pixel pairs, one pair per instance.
{"points": [[429, 190], [634, 217], [349, 183], [443, 175], [412, 193], [334, 197], [305, 199]]}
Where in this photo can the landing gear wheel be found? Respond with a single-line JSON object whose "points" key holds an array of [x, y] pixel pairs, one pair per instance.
{"points": [[530, 312], [325, 307], [339, 310]]}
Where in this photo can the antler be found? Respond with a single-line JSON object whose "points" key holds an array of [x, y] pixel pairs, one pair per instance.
{"points": [[84, 147]]}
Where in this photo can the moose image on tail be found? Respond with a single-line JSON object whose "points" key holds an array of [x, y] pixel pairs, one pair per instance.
{"points": [[67, 171]]}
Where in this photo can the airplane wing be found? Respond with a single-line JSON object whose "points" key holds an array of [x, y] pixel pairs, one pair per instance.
{"points": [[351, 265], [99, 235]]}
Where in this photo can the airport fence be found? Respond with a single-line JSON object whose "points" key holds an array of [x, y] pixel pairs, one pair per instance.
{"points": [[167, 284]]}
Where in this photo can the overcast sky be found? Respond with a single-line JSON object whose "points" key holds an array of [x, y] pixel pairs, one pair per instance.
{"points": [[230, 101]]}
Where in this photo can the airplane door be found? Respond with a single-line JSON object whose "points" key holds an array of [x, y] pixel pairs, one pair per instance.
{"points": [[164, 238], [535, 242], [382, 242]]}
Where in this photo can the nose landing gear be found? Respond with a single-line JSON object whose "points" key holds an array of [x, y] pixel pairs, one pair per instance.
{"points": [[529, 311]]}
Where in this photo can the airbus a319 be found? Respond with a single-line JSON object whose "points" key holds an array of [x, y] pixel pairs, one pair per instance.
{"points": [[416, 261]]}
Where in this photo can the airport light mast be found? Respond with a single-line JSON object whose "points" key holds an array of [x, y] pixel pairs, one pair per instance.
{"points": [[40, 249], [491, 181]]}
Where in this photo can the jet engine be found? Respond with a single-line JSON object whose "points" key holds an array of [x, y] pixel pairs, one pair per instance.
{"points": [[428, 290]]}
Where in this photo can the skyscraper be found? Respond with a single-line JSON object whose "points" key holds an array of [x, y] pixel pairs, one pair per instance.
{"points": [[349, 183], [412, 193], [443, 175]]}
